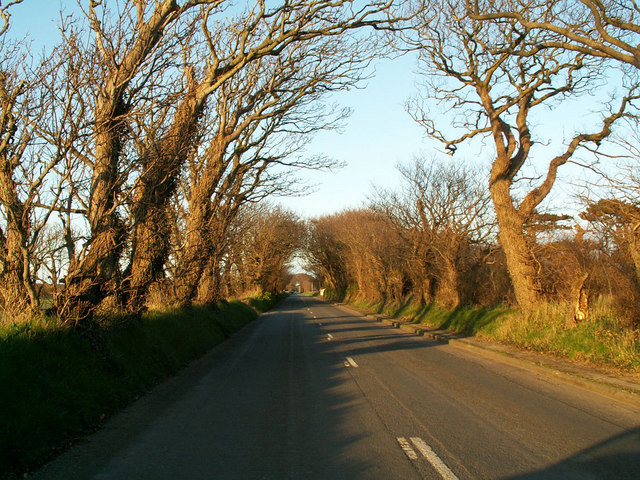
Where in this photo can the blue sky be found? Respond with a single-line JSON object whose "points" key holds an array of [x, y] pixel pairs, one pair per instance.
{"points": [[378, 135]]}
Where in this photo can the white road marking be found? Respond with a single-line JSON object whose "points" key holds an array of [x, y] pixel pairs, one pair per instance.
{"points": [[433, 458], [350, 362], [406, 447]]}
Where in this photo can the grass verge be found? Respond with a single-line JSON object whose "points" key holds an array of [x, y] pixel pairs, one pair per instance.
{"points": [[604, 339], [57, 383]]}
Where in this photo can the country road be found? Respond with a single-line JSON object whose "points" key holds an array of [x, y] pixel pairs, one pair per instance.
{"points": [[311, 391]]}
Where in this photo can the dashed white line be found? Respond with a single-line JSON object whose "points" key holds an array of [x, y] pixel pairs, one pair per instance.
{"points": [[433, 458], [350, 362], [406, 447]]}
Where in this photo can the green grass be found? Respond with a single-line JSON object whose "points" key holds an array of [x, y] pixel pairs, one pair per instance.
{"points": [[604, 339], [57, 383]]}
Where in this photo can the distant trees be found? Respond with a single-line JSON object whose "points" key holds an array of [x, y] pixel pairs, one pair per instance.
{"points": [[359, 249], [270, 240], [325, 252], [443, 212], [432, 240], [423, 239], [256, 255]]}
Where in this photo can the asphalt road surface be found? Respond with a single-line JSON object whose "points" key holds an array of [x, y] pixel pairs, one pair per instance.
{"points": [[311, 391]]}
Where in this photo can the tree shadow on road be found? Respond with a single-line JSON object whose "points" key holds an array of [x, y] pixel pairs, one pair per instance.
{"points": [[615, 458]]}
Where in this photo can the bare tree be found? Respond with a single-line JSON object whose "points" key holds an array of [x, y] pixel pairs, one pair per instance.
{"points": [[17, 288], [326, 255], [375, 255], [5, 15], [494, 75], [270, 241], [32, 175], [131, 55], [444, 211], [606, 29], [261, 118], [126, 48]]}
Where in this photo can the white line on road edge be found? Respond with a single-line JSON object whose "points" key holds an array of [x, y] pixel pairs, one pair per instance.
{"points": [[350, 361], [433, 458], [406, 447]]}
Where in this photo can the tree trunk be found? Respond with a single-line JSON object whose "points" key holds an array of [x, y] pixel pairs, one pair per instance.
{"points": [[426, 290], [449, 289], [520, 259], [634, 249], [16, 296], [191, 265], [195, 252], [152, 228], [16, 283], [581, 307], [96, 275], [210, 288]]}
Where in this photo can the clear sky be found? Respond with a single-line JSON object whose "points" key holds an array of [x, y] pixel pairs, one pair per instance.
{"points": [[378, 135]]}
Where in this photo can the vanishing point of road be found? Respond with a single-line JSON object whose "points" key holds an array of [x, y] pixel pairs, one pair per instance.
{"points": [[313, 391]]}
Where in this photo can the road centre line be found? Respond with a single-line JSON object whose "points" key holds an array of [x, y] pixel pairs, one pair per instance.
{"points": [[433, 458], [350, 362], [406, 447]]}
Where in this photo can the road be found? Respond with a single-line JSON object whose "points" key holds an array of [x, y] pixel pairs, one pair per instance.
{"points": [[311, 391]]}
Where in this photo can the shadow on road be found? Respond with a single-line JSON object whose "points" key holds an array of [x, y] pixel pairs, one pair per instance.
{"points": [[615, 458], [272, 402], [371, 337]]}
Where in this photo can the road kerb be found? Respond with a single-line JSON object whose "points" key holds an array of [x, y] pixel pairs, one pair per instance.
{"points": [[591, 384], [596, 383], [411, 328]]}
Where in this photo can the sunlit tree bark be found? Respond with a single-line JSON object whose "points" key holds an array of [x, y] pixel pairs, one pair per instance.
{"points": [[494, 74], [124, 55]]}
